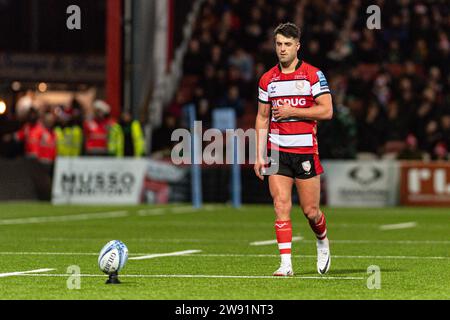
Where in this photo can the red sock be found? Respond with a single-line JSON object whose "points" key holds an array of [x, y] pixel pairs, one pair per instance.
{"points": [[283, 230], [319, 228]]}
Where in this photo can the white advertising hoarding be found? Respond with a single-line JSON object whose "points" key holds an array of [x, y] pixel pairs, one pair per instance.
{"points": [[361, 183], [98, 181]]}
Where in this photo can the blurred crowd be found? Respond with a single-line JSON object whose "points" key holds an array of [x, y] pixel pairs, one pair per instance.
{"points": [[390, 86], [49, 131]]}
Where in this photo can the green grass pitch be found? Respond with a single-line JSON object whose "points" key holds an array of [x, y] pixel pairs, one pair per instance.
{"points": [[414, 261]]}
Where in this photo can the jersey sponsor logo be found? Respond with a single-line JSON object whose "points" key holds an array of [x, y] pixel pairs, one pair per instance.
{"points": [[301, 76], [289, 88], [293, 102], [272, 89]]}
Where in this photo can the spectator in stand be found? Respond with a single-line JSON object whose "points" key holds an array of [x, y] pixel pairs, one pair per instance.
{"points": [[440, 152], [193, 62], [8, 148], [204, 112], [371, 129], [126, 138], [396, 129], [433, 136], [233, 100], [97, 130], [176, 107], [47, 142], [402, 68], [161, 136], [209, 83], [69, 135], [411, 152], [445, 129], [244, 64], [30, 133]]}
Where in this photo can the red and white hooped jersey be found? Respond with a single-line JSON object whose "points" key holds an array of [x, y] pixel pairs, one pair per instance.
{"points": [[299, 88]]}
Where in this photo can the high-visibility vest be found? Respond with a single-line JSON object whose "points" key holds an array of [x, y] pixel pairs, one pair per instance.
{"points": [[30, 135], [96, 136], [47, 146], [116, 141], [69, 141]]}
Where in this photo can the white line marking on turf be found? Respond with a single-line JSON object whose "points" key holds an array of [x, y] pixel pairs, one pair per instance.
{"points": [[333, 256], [174, 210], [78, 217], [411, 242], [186, 254], [270, 242], [398, 226], [152, 212], [12, 274], [48, 254], [198, 276], [171, 254]]}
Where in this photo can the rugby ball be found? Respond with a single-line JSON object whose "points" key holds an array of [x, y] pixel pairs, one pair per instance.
{"points": [[112, 257]]}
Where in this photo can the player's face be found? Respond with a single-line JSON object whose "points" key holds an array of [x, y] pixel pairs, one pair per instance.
{"points": [[287, 48]]}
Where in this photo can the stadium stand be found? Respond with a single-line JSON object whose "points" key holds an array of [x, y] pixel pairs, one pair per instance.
{"points": [[390, 86]]}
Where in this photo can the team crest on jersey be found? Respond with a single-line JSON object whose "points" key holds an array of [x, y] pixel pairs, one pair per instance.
{"points": [[307, 166], [300, 85]]}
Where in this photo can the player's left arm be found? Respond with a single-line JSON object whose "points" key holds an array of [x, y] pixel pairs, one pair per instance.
{"points": [[322, 110]]}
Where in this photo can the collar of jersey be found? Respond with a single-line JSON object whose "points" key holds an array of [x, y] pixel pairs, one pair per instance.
{"points": [[299, 64]]}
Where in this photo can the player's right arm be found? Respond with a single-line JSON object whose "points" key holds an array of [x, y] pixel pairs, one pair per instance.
{"points": [[262, 128]]}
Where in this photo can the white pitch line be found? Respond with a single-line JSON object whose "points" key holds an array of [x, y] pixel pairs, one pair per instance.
{"points": [[196, 276], [187, 253], [159, 255], [412, 242], [270, 242], [78, 217], [12, 274], [398, 226], [152, 212], [409, 242], [174, 210], [48, 254], [334, 256]]}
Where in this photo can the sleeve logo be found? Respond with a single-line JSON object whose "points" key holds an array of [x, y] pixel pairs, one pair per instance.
{"points": [[322, 79]]}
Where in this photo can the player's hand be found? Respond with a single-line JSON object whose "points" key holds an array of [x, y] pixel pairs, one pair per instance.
{"points": [[259, 167], [282, 113]]}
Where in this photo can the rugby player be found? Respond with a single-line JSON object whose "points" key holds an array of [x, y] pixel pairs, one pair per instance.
{"points": [[293, 96]]}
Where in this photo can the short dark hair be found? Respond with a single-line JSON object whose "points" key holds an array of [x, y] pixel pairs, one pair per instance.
{"points": [[289, 30]]}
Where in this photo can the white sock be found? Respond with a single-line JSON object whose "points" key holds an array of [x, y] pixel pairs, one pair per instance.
{"points": [[286, 259], [323, 243]]}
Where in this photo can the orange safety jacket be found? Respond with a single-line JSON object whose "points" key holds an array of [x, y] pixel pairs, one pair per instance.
{"points": [[30, 134], [96, 136], [47, 146]]}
